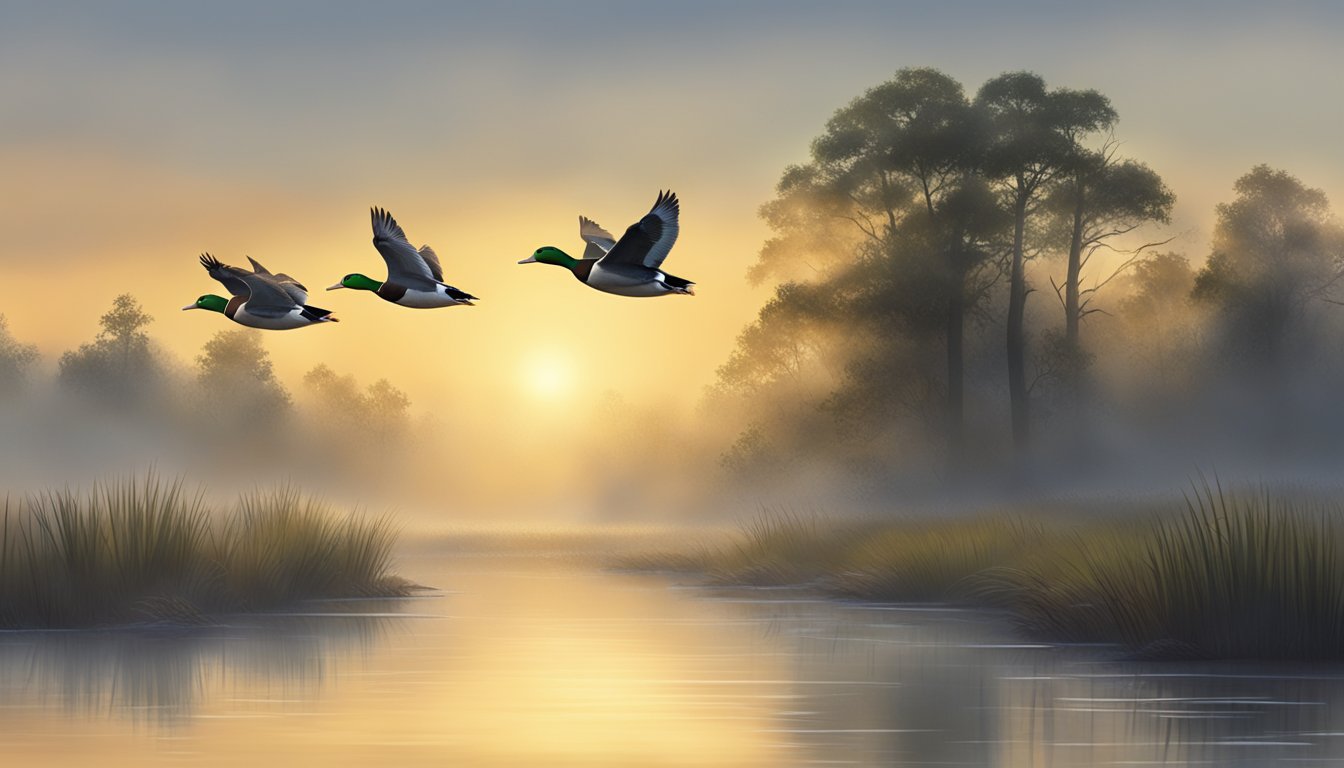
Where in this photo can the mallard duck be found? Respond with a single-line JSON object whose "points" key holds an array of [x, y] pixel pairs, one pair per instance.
{"points": [[629, 266], [414, 277], [260, 299]]}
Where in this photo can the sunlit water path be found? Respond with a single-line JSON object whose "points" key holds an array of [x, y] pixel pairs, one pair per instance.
{"points": [[529, 661]]}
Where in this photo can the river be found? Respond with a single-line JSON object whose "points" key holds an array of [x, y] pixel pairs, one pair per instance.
{"points": [[543, 661]]}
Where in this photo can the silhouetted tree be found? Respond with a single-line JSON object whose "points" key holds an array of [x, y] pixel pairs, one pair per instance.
{"points": [[897, 168], [1096, 201], [1033, 139], [1099, 200]]}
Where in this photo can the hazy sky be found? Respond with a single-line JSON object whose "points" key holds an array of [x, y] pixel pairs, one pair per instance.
{"points": [[135, 135]]}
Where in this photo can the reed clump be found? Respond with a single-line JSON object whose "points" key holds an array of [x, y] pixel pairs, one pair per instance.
{"points": [[1234, 575], [1248, 574], [146, 549]]}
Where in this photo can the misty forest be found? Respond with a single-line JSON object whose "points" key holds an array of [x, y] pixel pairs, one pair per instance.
{"points": [[968, 292], [1008, 466], [982, 289]]}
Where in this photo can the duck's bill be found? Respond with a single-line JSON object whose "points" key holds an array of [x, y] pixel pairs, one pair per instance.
{"points": [[529, 260], [334, 287], [190, 306]]}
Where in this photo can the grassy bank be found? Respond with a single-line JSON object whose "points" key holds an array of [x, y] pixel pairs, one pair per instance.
{"points": [[1246, 575], [148, 550]]}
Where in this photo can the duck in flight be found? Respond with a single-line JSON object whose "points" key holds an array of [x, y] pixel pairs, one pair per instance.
{"points": [[414, 276], [632, 265], [259, 298]]}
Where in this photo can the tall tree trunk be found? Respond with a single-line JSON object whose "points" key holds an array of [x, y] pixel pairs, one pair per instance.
{"points": [[956, 310], [1017, 343], [1072, 315]]}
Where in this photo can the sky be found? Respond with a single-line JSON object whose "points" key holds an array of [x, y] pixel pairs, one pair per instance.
{"points": [[136, 135]]}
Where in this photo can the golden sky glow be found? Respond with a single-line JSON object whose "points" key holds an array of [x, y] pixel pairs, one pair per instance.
{"points": [[136, 139]]}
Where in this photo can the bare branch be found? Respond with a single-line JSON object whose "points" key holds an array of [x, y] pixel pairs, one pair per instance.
{"points": [[1132, 260], [1059, 292]]}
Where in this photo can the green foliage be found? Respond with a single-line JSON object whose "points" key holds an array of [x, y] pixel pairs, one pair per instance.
{"points": [[147, 550], [1033, 132]]}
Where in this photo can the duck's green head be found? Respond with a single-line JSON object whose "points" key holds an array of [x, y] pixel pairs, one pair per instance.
{"points": [[358, 282], [551, 255], [209, 301]]}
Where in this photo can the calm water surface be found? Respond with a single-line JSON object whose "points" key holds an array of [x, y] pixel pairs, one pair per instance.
{"points": [[526, 661]]}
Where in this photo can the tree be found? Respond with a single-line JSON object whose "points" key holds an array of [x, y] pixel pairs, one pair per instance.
{"points": [[236, 377], [119, 365], [388, 410], [16, 358], [1033, 138], [379, 414], [1277, 255], [1099, 200], [898, 166], [1157, 329]]}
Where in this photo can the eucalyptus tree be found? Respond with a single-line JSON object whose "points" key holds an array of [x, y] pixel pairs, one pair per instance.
{"points": [[1033, 138]]}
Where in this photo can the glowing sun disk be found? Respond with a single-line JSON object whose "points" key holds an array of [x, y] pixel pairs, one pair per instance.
{"points": [[548, 375]]}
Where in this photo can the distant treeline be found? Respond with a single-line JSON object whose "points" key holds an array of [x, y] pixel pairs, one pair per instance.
{"points": [[984, 286], [121, 402]]}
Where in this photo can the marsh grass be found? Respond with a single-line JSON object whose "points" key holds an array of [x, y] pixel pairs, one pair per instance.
{"points": [[1230, 575], [785, 547], [148, 550], [1240, 575]]}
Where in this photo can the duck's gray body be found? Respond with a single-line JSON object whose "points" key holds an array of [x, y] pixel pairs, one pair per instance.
{"points": [[414, 275], [263, 300], [632, 265], [634, 280]]}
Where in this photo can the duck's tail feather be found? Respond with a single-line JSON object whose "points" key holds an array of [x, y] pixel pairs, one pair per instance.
{"points": [[318, 314], [679, 284]]}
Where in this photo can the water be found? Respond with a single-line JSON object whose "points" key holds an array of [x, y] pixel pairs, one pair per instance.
{"points": [[531, 662]]}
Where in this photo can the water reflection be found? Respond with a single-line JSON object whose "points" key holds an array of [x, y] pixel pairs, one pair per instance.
{"points": [[526, 663], [950, 688], [160, 677]]}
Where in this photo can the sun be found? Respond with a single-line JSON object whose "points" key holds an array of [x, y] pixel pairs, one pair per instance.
{"points": [[547, 375]]}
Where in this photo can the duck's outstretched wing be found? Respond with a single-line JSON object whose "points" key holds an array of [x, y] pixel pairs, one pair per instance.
{"points": [[298, 291], [230, 277], [269, 297], [266, 295], [648, 241], [598, 239], [432, 261], [405, 265]]}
